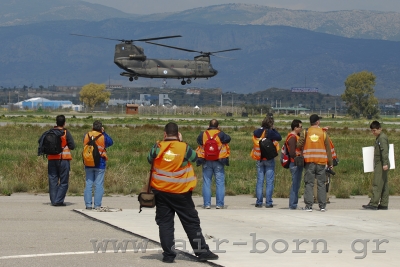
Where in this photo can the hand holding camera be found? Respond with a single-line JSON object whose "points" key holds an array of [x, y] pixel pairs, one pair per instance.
{"points": [[330, 171]]}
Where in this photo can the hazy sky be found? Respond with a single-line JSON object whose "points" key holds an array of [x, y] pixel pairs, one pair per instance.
{"points": [[160, 6]]}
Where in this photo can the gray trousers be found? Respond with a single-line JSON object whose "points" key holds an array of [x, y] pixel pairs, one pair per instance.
{"points": [[314, 171]]}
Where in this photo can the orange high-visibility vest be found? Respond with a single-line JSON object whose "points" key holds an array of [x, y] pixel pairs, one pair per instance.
{"points": [[298, 150], [224, 149], [255, 153], [101, 142], [314, 149], [167, 173], [66, 153], [333, 151]]}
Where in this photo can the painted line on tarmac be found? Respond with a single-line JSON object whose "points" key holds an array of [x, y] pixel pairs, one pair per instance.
{"points": [[69, 253]]}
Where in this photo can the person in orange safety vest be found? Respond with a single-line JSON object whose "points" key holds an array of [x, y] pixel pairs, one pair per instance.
{"points": [[317, 156], [296, 171], [328, 175], [94, 180], [265, 167], [215, 166], [59, 165], [172, 181]]}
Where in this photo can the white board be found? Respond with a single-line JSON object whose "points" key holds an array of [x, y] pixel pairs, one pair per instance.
{"points": [[391, 156], [368, 158]]}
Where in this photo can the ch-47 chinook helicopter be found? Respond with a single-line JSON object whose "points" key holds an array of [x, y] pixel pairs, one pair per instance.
{"points": [[133, 61]]}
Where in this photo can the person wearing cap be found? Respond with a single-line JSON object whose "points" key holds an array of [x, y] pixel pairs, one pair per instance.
{"points": [[328, 175], [380, 188], [317, 154]]}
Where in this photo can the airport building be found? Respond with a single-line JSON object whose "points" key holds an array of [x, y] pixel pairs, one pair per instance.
{"points": [[40, 102]]}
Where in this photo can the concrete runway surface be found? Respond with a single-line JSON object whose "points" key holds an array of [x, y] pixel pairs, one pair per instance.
{"points": [[34, 233]]}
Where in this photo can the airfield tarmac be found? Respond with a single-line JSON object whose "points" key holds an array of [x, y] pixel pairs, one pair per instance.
{"points": [[37, 234]]}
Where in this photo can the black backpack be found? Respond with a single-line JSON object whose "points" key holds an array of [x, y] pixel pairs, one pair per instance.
{"points": [[50, 142], [267, 148]]}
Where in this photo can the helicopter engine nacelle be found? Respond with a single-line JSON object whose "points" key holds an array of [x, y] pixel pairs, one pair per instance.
{"points": [[205, 58], [137, 57]]}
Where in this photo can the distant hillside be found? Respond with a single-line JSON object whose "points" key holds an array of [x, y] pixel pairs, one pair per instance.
{"points": [[348, 23], [19, 12], [271, 56]]}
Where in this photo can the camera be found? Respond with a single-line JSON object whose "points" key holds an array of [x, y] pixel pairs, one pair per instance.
{"points": [[335, 162], [330, 171]]}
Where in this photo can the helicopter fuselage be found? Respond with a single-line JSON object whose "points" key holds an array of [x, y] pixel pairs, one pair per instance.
{"points": [[133, 61], [167, 68]]}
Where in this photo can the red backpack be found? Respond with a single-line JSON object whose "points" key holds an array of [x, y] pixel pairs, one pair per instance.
{"points": [[211, 150], [285, 158]]}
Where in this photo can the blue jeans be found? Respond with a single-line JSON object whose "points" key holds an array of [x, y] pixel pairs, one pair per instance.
{"points": [[216, 168], [265, 169], [94, 177], [296, 182], [58, 173]]}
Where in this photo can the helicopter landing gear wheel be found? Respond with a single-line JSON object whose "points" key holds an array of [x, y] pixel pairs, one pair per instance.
{"points": [[183, 82], [189, 81], [136, 77], [130, 79]]}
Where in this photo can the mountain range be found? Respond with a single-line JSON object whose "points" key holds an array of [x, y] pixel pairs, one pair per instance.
{"points": [[280, 48]]}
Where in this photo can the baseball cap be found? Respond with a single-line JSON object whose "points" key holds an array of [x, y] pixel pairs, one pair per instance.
{"points": [[314, 118]]}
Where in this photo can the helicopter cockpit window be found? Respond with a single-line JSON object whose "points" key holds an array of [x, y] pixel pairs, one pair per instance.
{"points": [[123, 48], [210, 67], [199, 67]]}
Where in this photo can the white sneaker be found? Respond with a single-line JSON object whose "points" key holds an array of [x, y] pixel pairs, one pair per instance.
{"points": [[219, 207], [308, 209], [323, 210], [206, 207]]}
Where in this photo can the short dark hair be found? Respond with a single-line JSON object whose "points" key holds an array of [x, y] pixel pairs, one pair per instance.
{"points": [[171, 129], [375, 125], [214, 123], [267, 122], [97, 125], [60, 120], [295, 123]]}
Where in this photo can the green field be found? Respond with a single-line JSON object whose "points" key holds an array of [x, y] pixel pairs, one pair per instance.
{"points": [[21, 170]]}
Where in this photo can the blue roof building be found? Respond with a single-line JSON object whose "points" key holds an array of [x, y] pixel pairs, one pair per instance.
{"points": [[35, 103]]}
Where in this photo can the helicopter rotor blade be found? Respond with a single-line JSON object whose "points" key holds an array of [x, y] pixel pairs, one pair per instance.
{"points": [[130, 41], [224, 57], [97, 37], [174, 47], [200, 52], [226, 50], [157, 38]]}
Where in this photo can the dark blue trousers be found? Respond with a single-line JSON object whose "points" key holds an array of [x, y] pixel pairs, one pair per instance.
{"points": [[58, 172]]}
